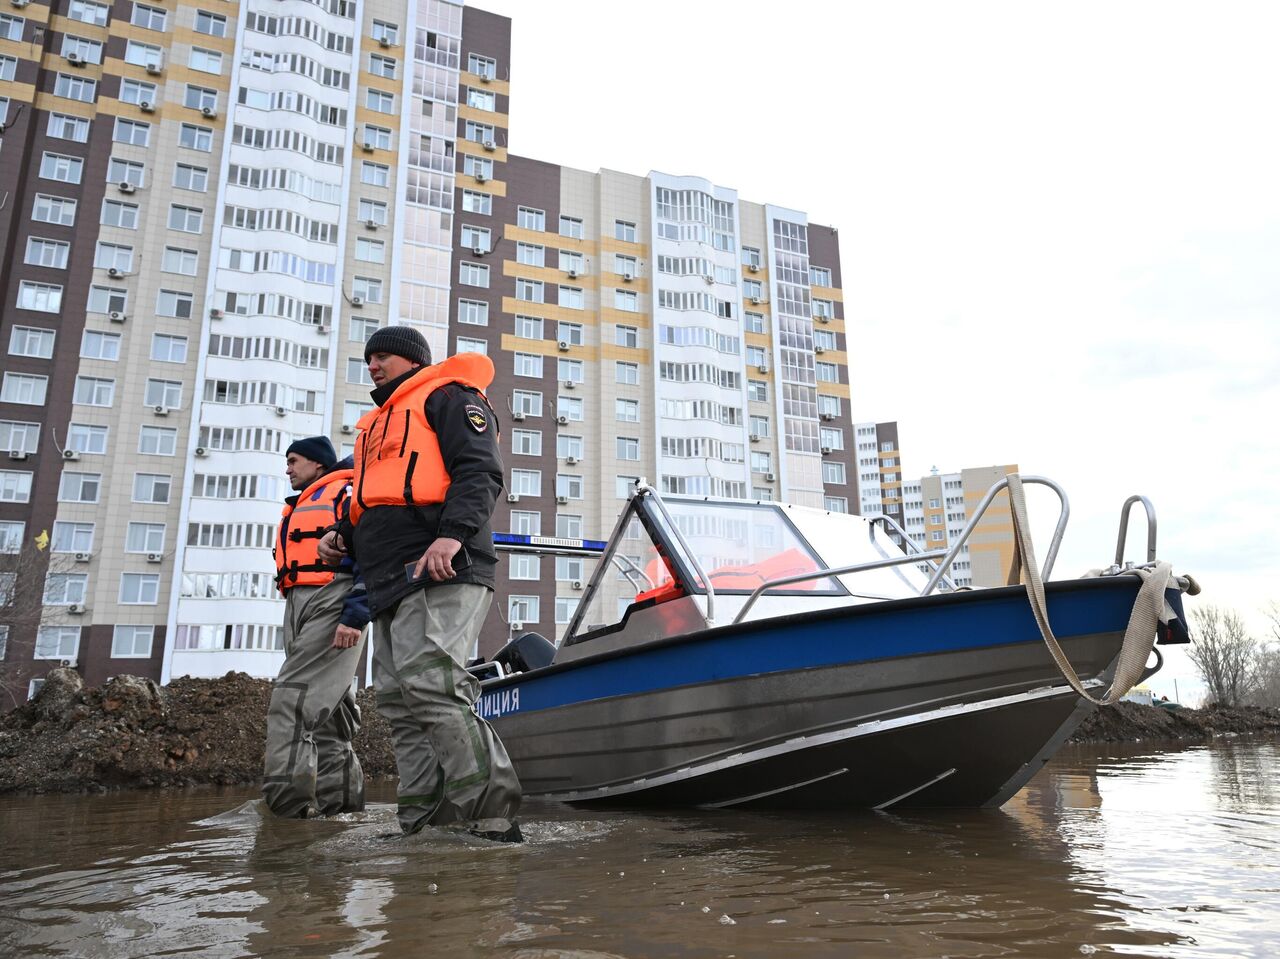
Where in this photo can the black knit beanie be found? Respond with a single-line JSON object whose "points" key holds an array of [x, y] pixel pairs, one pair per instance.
{"points": [[399, 341], [318, 449]]}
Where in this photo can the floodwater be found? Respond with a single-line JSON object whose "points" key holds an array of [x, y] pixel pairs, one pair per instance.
{"points": [[1106, 852]]}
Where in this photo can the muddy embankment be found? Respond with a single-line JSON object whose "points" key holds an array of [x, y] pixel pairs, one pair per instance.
{"points": [[131, 733]]}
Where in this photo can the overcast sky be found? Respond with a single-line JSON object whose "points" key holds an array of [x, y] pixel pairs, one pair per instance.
{"points": [[1067, 214]]}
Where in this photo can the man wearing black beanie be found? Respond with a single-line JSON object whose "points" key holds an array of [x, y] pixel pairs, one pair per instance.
{"points": [[427, 477], [310, 767]]}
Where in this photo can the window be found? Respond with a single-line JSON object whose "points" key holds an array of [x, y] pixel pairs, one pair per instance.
{"points": [[168, 348], [758, 425], [473, 312], [481, 99], [368, 288], [358, 372], [166, 393], [133, 132], [11, 27], [526, 482], [15, 486], [526, 442], [530, 219], [628, 373], [570, 569], [753, 322], [72, 538], [381, 66], [570, 371], [625, 265], [527, 364], [150, 18], [522, 609], [20, 436], [177, 260], [526, 522], [478, 167], [761, 462], [752, 289], [26, 388], [468, 345], [206, 61], [626, 336], [211, 24], [482, 66], [137, 91], [75, 88], [150, 487], [139, 589], [572, 262], [113, 256], [132, 642], [529, 290], [106, 299], [529, 327], [126, 171], [824, 339], [571, 408], [571, 333], [530, 254], [66, 169], [819, 276], [628, 448], [627, 411], [626, 300], [379, 138], [477, 238], [569, 526], [571, 297], [473, 274], [479, 133], [31, 341], [65, 589], [54, 209], [380, 101], [823, 308], [569, 484], [374, 174], [158, 441], [370, 251], [188, 219], [758, 391], [144, 538], [385, 32], [8, 69], [11, 533], [373, 211], [571, 226], [827, 372], [361, 329], [622, 230], [119, 213], [40, 297], [832, 439], [195, 138], [63, 127], [174, 303], [568, 445], [475, 202], [833, 472], [88, 12], [100, 346], [94, 391], [57, 642], [525, 566], [79, 487]]}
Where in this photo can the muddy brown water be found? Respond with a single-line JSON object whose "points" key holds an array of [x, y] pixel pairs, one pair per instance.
{"points": [[1110, 850]]}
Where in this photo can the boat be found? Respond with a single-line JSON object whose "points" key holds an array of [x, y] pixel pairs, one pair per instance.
{"points": [[731, 654]]}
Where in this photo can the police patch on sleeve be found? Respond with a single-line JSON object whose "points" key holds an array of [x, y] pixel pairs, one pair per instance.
{"points": [[477, 418]]}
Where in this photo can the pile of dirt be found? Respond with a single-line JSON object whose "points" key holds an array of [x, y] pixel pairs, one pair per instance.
{"points": [[132, 733]]}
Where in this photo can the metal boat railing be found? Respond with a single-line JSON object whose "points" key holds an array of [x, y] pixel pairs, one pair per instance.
{"points": [[906, 540], [1124, 528]]}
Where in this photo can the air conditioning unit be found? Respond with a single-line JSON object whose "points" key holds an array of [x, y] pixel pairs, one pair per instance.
{"points": [[115, 272], [478, 251], [322, 330], [153, 67], [75, 59], [146, 106], [518, 416], [513, 497], [571, 460], [371, 224], [490, 145], [17, 454], [763, 367], [480, 176], [75, 609], [126, 186], [160, 410], [367, 146], [83, 557], [573, 274], [753, 267], [819, 349], [215, 314], [563, 346], [576, 584], [115, 316], [357, 301], [19, 3], [280, 411], [485, 78], [516, 625], [348, 428], [628, 277], [570, 385], [827, 417], [562, 500], [770, 477], [709, 280], [201, 451], [63, 663], [209, 113], [70, 455], [755, 301], [155, 557], [384, 41], [754, 437], [823, 318], [562, 420]]}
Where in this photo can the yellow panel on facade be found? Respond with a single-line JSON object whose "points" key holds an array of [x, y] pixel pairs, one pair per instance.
{"points": [[226, 45], [52, 104], [609, 244], [546, 274], [547, 311], [501, 87], [545, 348], [487, 117], [471, 148], [834, 389], [627, 354], [622, 318], [827, 293], [389, 121]]}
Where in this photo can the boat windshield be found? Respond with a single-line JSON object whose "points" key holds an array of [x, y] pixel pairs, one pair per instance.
{"points": [[739, 546]]}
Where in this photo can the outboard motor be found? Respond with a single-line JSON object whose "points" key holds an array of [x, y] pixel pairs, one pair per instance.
{"points": [[524, 653]]}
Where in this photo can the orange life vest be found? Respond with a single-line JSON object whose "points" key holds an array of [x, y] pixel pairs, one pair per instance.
{"points": [[302, 524], [398, 461]]}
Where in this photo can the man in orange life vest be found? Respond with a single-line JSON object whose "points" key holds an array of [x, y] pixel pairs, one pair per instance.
{"points": [[427, 477], [310, 767]]}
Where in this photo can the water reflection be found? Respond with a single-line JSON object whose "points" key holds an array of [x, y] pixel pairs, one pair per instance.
{"points": [[1172, 854]]}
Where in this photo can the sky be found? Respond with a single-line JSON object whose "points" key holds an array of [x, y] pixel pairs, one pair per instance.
{"points": [[1059, 229]]}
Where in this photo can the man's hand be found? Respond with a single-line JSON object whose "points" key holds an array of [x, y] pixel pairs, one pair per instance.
{"points": [[438, 559], [344, 637], [331, 548]]}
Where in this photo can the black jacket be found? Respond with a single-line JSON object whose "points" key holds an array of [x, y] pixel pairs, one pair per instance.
{"points": [[388, 538]]}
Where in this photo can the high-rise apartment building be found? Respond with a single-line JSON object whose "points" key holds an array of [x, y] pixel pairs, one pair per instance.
{"points": [[209, 209], [937, 508]]}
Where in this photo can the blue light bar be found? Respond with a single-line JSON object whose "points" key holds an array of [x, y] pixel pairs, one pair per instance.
{"points": [[510, 540]]}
